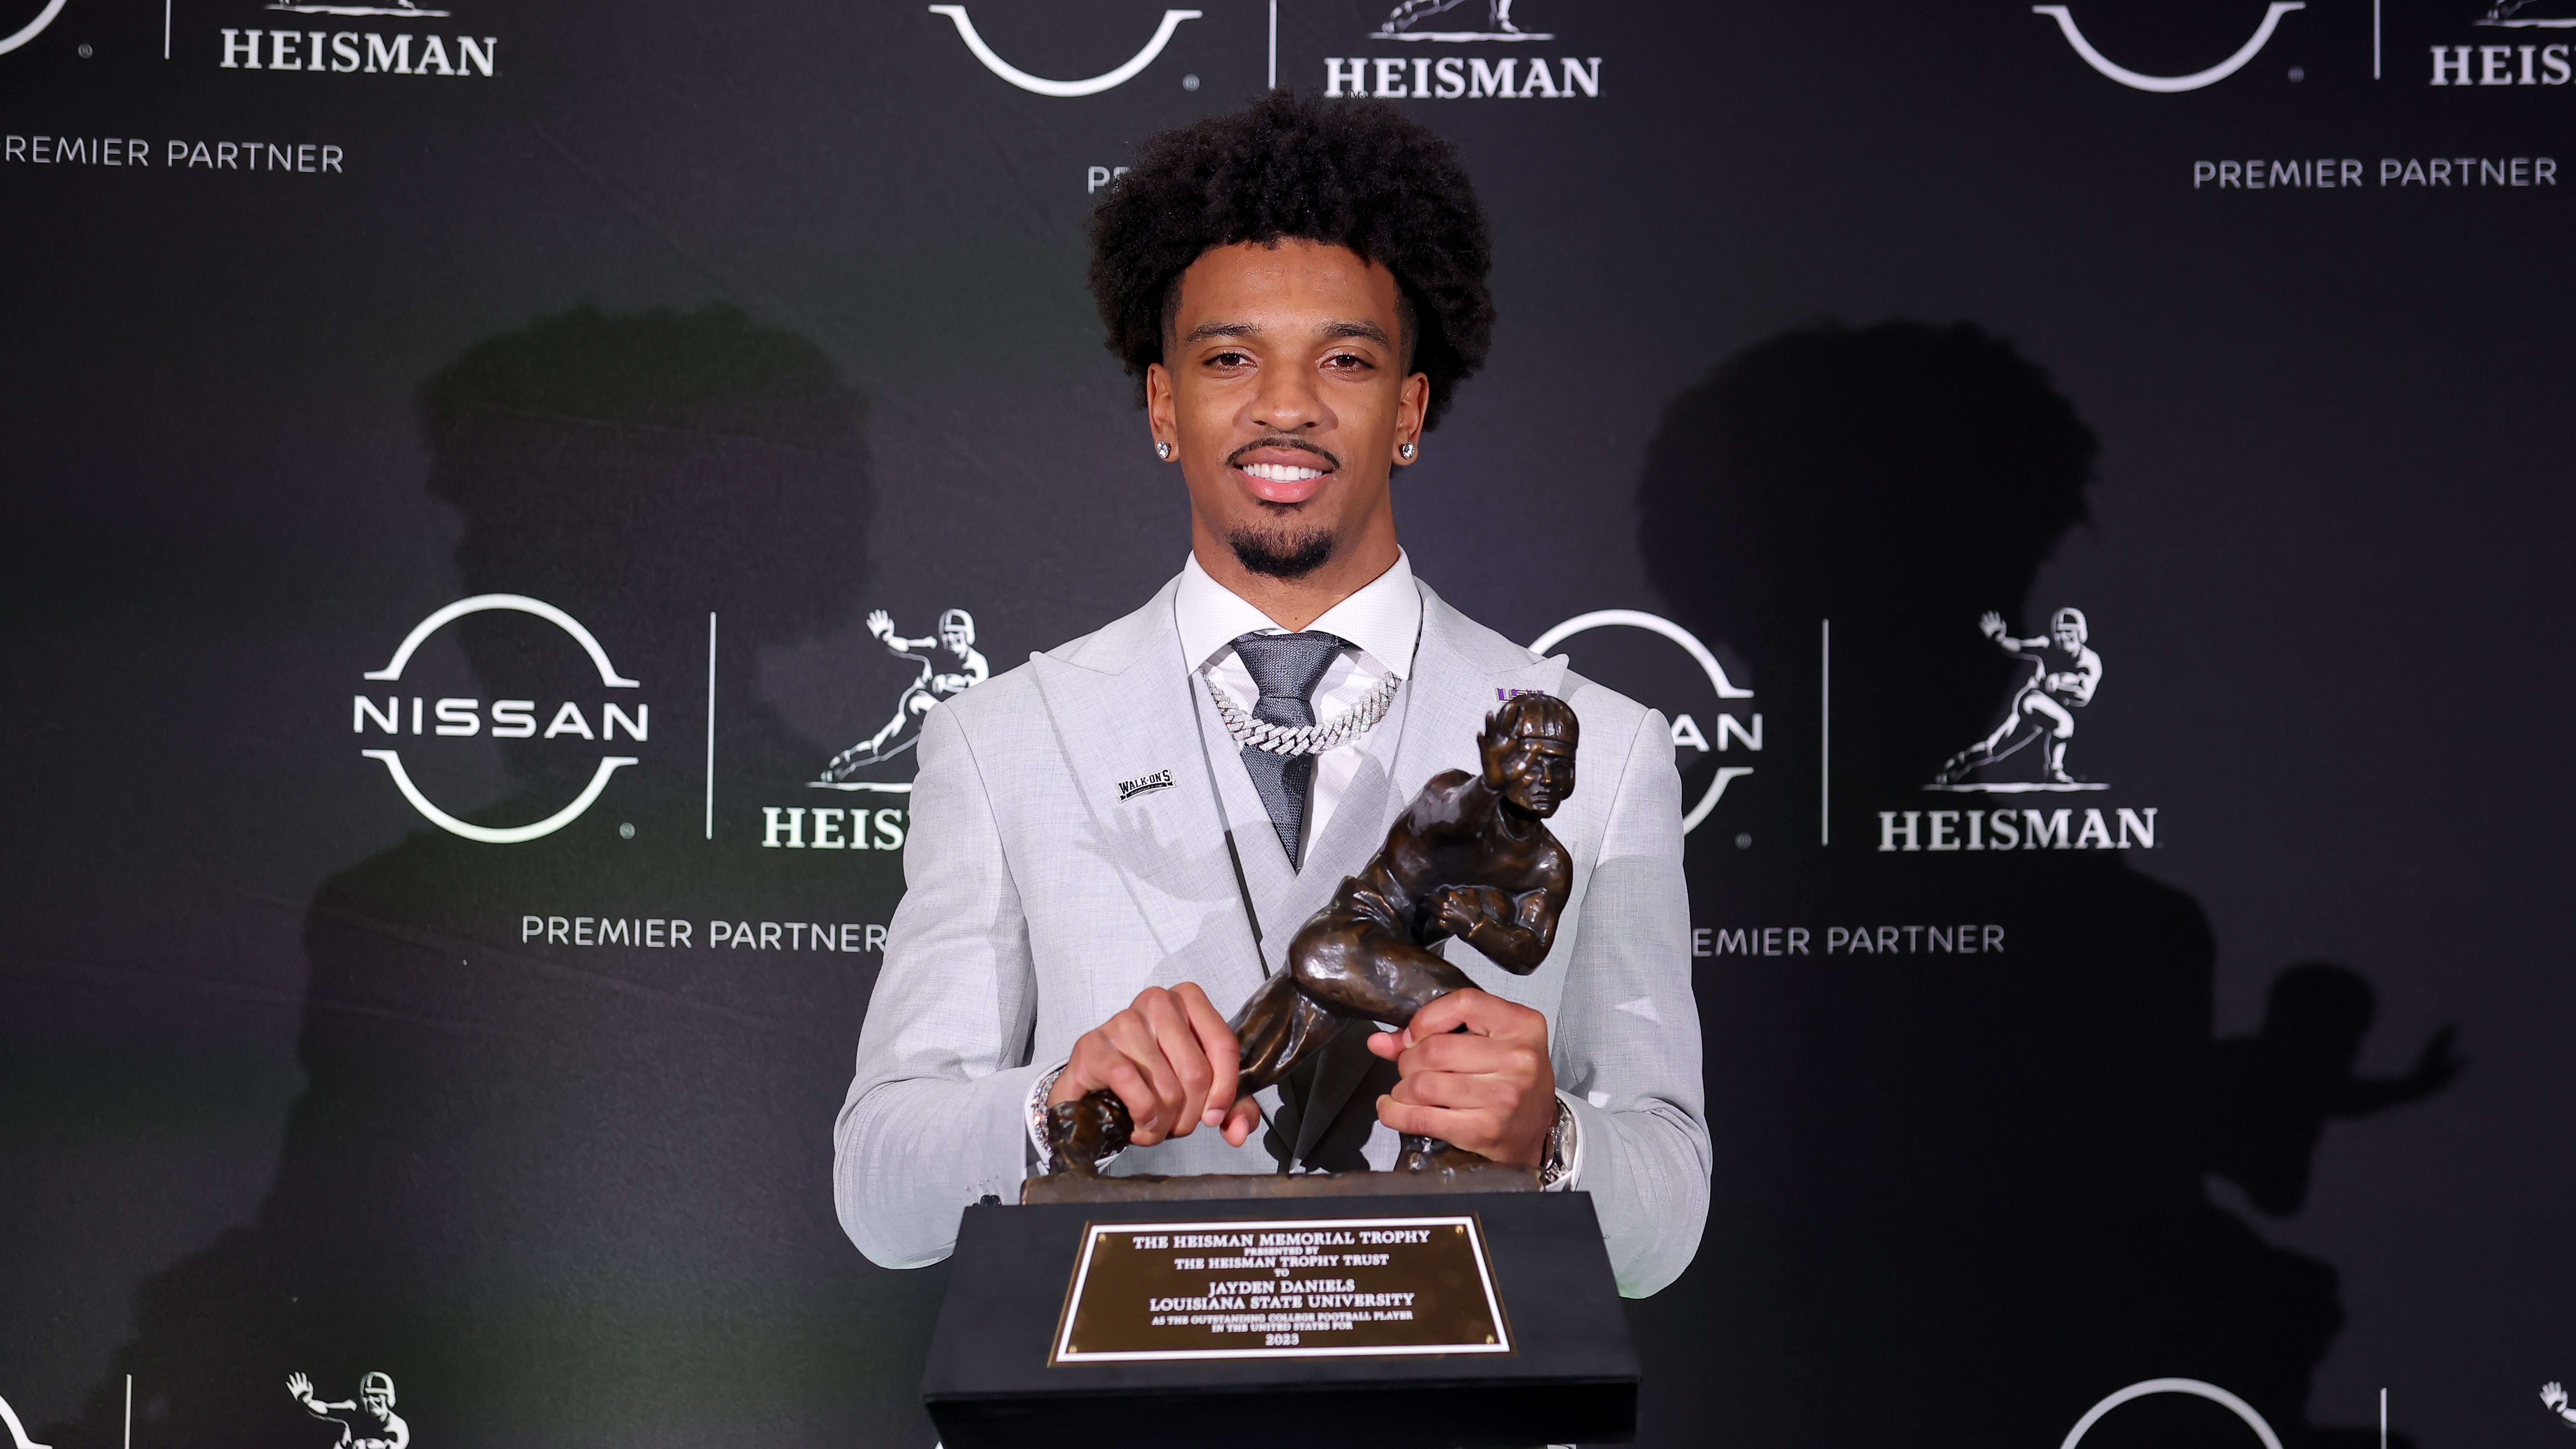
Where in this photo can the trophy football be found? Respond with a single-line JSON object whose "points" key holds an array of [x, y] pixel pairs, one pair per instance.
{"points": [[1445, 1304]]}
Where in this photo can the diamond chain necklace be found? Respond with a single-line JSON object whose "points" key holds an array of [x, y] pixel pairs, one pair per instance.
{"points": [[1311, 739]]}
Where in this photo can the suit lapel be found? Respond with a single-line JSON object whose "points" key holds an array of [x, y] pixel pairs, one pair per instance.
{"points": [[1122, 711]]}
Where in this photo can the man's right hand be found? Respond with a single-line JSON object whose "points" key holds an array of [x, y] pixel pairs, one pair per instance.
{"points": [[1172, 1060]]}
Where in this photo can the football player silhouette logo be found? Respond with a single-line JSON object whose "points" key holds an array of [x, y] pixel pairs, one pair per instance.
{"points": [[383, 1429], [2064, 674], [937, 681]]}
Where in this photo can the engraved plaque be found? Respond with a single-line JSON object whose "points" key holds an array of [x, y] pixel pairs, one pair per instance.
{"points": [[1304, 1288]]}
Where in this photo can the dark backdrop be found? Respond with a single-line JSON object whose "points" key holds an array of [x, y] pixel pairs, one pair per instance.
{"points": [[1826, 330]]}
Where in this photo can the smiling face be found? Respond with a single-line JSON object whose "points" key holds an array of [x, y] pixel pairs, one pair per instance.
{"points": [[1284, 395]]}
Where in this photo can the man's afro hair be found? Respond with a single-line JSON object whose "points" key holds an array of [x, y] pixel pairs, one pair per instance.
{"points": [[1356, 174]]}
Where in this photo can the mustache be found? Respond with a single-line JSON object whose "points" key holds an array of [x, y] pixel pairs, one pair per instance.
{"points": [[1236, 457]]}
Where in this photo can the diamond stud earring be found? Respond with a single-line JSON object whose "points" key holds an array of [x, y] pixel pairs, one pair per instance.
{"points": [[1404, 451], [1163, 451]]}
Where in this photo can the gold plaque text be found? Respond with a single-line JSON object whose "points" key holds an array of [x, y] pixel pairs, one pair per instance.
{"points": [[1287, 1289]]}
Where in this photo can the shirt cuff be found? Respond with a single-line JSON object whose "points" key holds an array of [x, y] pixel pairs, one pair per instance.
{"points": [[1569, 1148]]}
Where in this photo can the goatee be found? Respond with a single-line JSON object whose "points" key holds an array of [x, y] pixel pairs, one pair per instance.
{"points": [[1281, 555]]}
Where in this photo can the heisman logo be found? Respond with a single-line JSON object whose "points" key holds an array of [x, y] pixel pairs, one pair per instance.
{"points": [[510, 718], [384, 1428], [2170, 84], [2064, 674], [1040, 85], [938, 680], [947, 665], [367, 52], [1450, 77]]}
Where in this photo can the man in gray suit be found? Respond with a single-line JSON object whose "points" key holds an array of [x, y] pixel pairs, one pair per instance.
{"points": [[1110, 850]]}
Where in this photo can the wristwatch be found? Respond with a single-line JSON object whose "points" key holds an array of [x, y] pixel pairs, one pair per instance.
{"points": [[1557, 1165]]}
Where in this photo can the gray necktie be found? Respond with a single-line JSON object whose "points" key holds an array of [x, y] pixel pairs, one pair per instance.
{"points": [[1286, 668]]}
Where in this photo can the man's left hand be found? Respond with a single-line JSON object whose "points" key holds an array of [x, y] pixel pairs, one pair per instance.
{"points": [[1488, 1088]]}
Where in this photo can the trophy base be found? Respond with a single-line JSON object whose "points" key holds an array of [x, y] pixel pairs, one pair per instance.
{"points": [[1049, 1337], [1071, 1187]]}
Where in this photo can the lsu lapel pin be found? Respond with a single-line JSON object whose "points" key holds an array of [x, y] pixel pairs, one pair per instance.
{"points": [[1130, 789]]}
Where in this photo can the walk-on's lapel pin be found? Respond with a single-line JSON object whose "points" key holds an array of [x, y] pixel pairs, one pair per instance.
{"points": [[1159, 780]]}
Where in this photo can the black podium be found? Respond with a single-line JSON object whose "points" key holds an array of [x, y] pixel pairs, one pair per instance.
{"points": [[1423, 1321]]}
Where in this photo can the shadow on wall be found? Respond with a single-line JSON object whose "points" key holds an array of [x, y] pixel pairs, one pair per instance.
{"points": [[559, 1195], [1967, 1194]]}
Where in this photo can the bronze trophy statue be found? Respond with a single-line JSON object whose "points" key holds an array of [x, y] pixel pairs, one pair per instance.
{"points": [[1471, 857]]}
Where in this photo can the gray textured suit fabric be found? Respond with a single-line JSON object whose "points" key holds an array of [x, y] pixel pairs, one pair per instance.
{"points": [[1039, 903], [1285, 668]]}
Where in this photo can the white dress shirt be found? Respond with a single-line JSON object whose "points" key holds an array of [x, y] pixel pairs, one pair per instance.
{"points": [[1382, 621]]}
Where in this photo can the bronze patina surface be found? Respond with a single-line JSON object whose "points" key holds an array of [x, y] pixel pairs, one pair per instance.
{"points": [[1471, 857]]}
